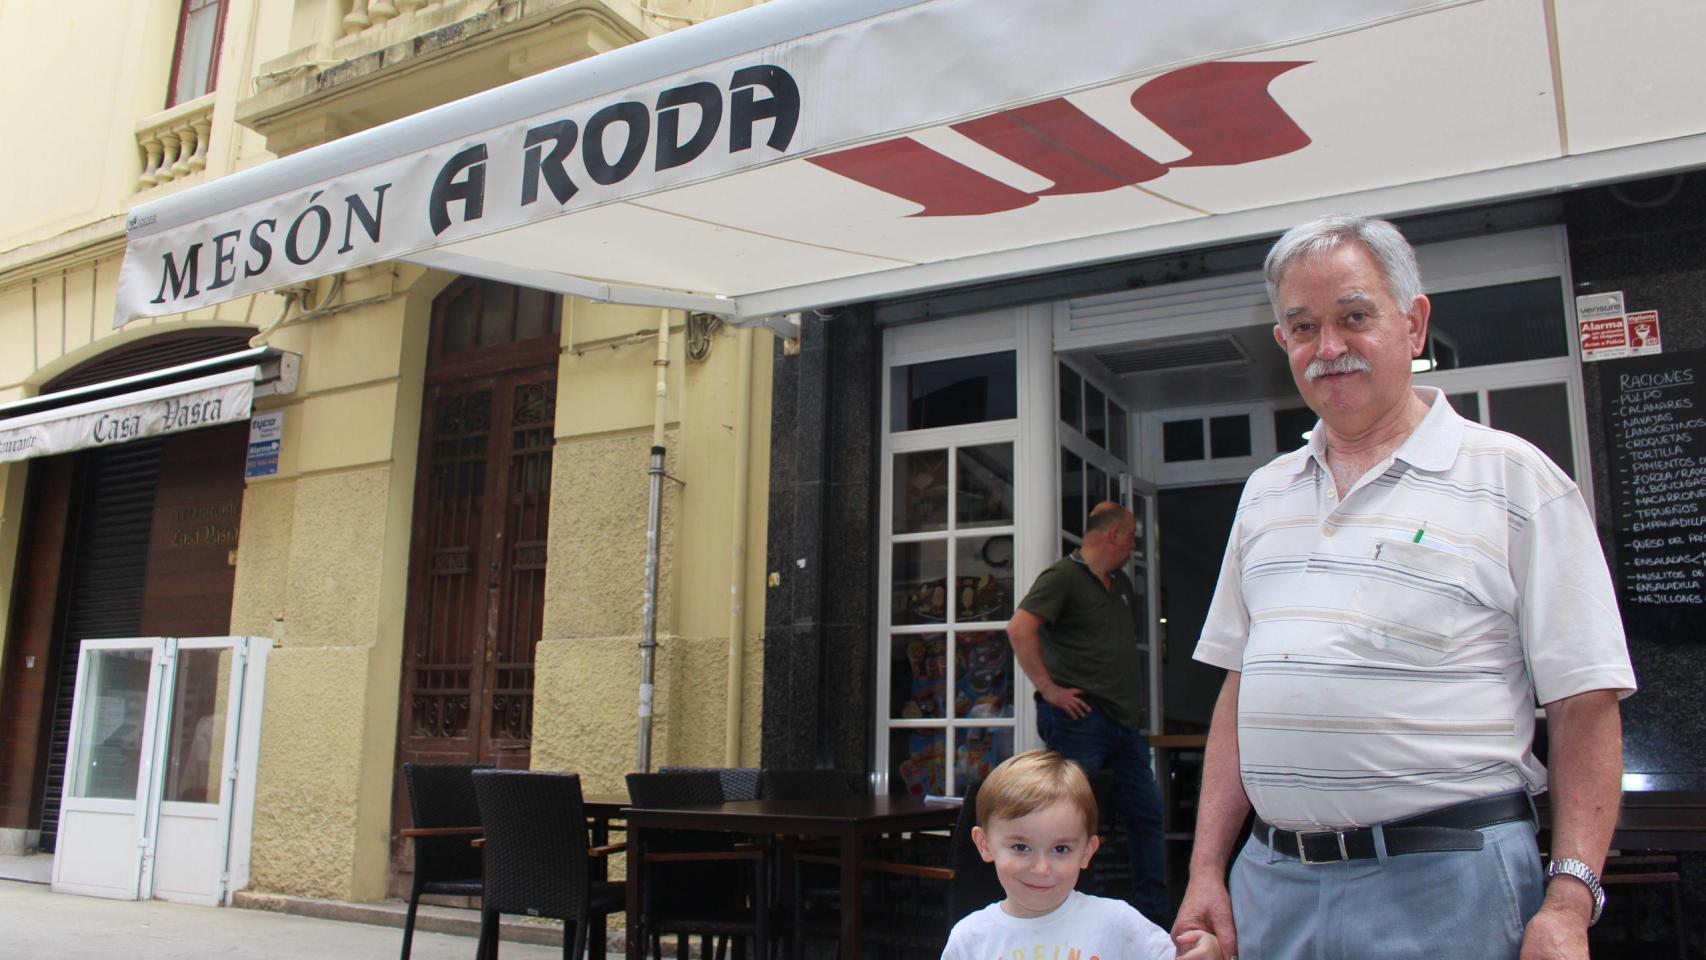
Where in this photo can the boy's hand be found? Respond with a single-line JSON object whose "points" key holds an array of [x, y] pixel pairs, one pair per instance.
{"points": [[1198, 945]]}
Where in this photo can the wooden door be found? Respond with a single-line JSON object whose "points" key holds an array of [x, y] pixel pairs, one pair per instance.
{"points": [[477, 558]]}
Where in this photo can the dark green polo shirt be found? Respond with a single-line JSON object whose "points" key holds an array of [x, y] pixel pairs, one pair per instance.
{"points": [[1089, 636]]}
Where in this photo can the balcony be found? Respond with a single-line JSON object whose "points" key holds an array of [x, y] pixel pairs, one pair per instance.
{"points": [[173, 143], [393, 58]]}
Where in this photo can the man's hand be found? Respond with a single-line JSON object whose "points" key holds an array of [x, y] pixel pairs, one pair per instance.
{"points": [[1067, 701], [1207, 906], [1557, 932]]}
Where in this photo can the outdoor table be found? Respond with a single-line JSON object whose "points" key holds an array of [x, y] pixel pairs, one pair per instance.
{"points": [[849, 821]]}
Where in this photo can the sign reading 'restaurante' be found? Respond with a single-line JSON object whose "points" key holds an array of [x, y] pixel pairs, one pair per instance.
{"points": [[511, 176]]}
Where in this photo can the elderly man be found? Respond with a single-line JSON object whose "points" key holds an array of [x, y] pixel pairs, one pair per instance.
{"points": [[1396, 596], [1075, 636]]}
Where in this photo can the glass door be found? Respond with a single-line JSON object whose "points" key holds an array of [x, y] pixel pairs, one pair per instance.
{"points": [[104, 809], [153, 765]]}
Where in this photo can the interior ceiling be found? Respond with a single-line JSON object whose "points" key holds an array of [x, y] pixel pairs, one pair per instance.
{"points": [[1226, 366]]}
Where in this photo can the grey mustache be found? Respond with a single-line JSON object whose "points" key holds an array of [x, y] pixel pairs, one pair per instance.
{"points": [[1344, 363]]}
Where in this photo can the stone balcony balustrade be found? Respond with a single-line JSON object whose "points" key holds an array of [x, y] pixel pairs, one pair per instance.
{"points": [[173, 143]]}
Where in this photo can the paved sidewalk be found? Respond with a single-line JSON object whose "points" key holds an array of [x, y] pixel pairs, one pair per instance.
{"points": [[37, 924]]}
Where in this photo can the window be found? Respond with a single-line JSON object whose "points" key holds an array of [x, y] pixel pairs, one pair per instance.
{"points": [[200, 26], [947, 682]]}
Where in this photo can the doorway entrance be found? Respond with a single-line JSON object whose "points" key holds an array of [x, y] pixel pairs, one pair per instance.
{"points": [[477, 560]]}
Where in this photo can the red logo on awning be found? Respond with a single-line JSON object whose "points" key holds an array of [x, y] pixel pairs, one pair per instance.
{"points": [[1221, 112]]}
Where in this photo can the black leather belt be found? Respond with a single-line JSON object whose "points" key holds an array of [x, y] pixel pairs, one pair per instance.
{"points": [[1448, 828]]}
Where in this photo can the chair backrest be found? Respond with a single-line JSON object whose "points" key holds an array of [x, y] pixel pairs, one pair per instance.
{"points": [[815, 784], [685, 788], [536, 843], [442, 795], [692, 889], [739, 783], [975, 884]]}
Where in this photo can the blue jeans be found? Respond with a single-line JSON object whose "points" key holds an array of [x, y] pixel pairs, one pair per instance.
{"points": [[1470, 903], [1095, 743]]}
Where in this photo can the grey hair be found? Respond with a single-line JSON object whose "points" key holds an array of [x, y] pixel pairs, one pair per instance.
{"points": [[1397, 259]]}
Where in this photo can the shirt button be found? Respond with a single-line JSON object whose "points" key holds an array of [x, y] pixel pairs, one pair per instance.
{"points": [[1331, 492], [1328, 529]]}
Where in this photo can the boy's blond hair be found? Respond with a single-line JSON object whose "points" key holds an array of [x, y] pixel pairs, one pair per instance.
{"points": [[1032, 780]]}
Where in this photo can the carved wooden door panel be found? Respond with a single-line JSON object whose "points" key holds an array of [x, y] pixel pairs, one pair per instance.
{"points": [[477, 572]]}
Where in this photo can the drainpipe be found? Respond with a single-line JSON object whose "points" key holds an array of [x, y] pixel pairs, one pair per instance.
{"points": [[654, 520], [737, 552]]}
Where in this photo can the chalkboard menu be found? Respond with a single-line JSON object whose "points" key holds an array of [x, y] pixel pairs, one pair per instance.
{"points": [[1655, 422]]}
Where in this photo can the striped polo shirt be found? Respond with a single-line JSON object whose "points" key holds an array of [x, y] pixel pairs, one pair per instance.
{"points": [[1394, 638]]}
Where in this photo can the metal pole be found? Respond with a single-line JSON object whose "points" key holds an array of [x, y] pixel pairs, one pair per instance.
{"points": [[654, 523]]}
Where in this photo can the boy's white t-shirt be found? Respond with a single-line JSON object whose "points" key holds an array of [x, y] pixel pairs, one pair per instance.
{"points": [[1085, 927]]}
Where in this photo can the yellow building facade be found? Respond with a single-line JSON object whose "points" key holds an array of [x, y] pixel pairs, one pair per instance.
{"points": [[328, 561]]}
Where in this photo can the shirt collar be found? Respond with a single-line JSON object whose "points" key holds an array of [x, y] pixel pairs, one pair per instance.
{"points": [[1431, 446]]}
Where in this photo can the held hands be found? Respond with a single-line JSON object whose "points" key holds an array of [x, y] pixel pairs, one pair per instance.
{"points": [[1198, 945], [1067, 701], [1207, 909]]}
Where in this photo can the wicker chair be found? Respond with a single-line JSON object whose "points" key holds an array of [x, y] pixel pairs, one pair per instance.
{"points": [[446, 818], [739, 783], [813, 784], [537, 859], [697, 883]]}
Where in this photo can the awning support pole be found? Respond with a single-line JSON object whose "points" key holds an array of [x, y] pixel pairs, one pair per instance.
{"points": [[654, 522], [737, 551]]}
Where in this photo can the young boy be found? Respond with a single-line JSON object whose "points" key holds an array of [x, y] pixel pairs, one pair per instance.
{"points": [[1036, 821]]}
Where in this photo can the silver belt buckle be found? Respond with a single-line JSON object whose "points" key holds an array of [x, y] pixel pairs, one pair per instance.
{"points": [[1303, 846]]}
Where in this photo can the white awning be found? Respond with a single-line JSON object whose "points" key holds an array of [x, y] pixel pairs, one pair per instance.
{"points": [[205, 393], [810, 152]]}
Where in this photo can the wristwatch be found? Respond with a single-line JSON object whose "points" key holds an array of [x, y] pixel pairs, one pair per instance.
{"points": [[1571, 867]]}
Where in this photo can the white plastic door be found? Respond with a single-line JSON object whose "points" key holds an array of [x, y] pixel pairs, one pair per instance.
{"points": [[103, 825], [198, 769]]}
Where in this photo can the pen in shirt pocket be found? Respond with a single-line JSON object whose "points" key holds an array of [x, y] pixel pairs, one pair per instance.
{"points": [[1419, 531]]}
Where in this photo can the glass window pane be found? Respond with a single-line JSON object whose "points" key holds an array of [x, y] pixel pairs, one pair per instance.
{"points": [[532, 314], [921, 491], [985, 495], [1095, 486], [962, 390], [1118, 442], [1290, 425], [1229, 436], [196, 742], [983, 667], [1095, 416], [979, 751], [1498, 324], [1140, 601], [1181, 440], [195, 58], [1467, 405], [918, 676], [497, 313], [109, 734], [921, 582], [1540, 415], [1140, 511], [983, 572], [1071, 387], [1071, 493], [916, 761], [458, 323]]}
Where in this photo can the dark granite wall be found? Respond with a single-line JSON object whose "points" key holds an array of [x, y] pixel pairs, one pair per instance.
{"points": [[819, 612], [1648, 239]]}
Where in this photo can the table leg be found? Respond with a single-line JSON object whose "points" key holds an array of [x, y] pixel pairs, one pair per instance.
{"points": [[851, 849], [636, 932]]}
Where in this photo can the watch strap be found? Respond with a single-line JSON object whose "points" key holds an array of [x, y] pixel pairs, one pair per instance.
{"points": [[1571, 867]]}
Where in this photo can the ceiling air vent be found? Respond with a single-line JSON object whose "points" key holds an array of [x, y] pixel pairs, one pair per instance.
{"points": [[1174, 355]]}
